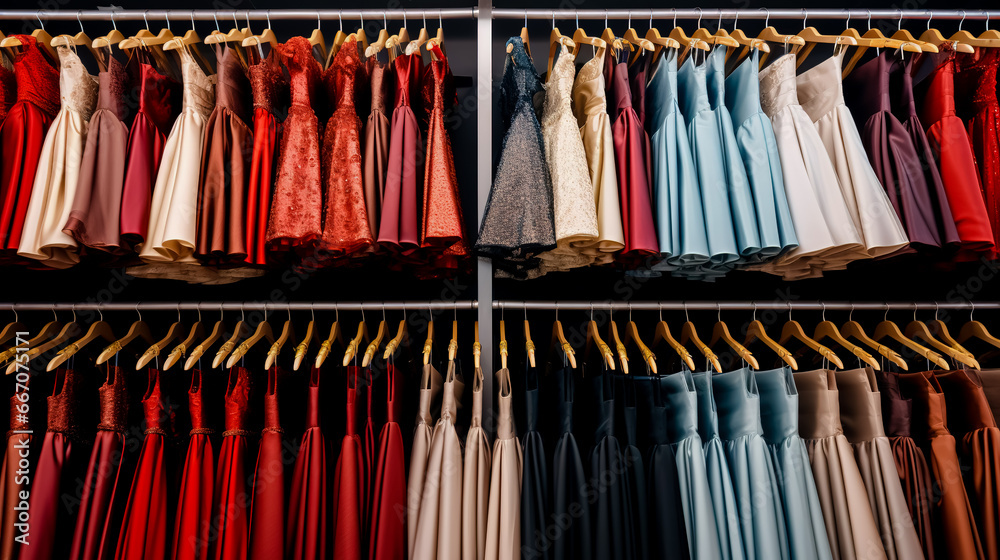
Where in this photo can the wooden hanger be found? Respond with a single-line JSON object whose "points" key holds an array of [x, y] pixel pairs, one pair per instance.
{"points": [[376, 342], [524, 36], [663, 333], [11, 329], [197, 332], [68, 330], [477, 349], [934, 37], [529, 345], [230, 344], [453, 343], [266, 36], [632, 335], [99, 329], [49, 330], [594, 339], [720, 37], [990, 34], [379, 43], [889, 329], [336, 335], [660, 42], [975, 329], [689, 332], [555, 40], [399, 339], [139, 329], [111, 39], [619, 347], [429, 343], [678, 34], [191, 41], [873, 38], [205, 344], [581, 38], [42, 39], [355, 343], [985, 41], [940, 329], [721, 332], [756, 331], [287, 336], [853, 329], [641, 44], [338, 39], [793, 329], [617, 44], [438, 39], [263, 332], [770, 35], [303, 348], [904, 36], [81, 39], [422, 37], [146, 38], [559, 338], [918, 329], [812, 37], [503, 341], [826, 329], [360, 36], [748, 43], [154, 350]]}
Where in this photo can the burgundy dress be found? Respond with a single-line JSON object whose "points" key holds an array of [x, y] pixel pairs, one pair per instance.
{"points": [[297, 206], [17, 443], [399, 224], [387, 529], [98, 522], [47, 513], [345, 223], [348, 483], [270, 93], [267, 510], [94, 217], [231, 522], [442, 241], [21, 136], [976, 85], [376, 141], [370, 450], [159, 99], [192, 527], [144, 525], [308, 502]]}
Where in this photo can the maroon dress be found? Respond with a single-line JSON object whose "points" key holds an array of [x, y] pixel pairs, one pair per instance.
{"points": [[348, 483], [18, 442], [370, 449], [270, 93], [376, 141], [309, 499], [976, 86], [98, 522], [47, 513], [387, 529], [267, 511], [231, 522], [193, 524]]}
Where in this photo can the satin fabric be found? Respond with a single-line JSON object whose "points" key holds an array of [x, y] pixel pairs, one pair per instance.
{"points": [[503, 526], [267, 508], [755, 484], [976, 85], [475, 478], [54, 189], [635, 469], [231, 523], [665, 524], [720, 481], [49, 518], [370, 448], [16, 445], [375, 148], [991, 387], [534, 475], [22, 134], [430, 386], [850, 524], [193, 525], [387, 530], [94, 216], [569, 479], [348, 481], [144, 529], [438, 535], [861, 415], [309, 497]]}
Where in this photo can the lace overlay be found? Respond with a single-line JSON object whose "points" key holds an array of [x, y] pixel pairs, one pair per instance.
{"points": [[37, 80], [64, 403], [114, 402], [8, 91]]}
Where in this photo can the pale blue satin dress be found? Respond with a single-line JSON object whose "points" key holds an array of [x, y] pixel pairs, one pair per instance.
{"points": [[759, 150], [807, 538]]}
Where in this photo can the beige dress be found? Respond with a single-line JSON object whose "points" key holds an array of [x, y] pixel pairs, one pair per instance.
{"points": [[438, 534], [861, 414], [42, 237], [591, 108], [430, 386], [475, 479], [503, 525], [847, 514]]}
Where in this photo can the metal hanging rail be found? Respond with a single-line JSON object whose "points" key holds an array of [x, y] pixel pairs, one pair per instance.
{"points": [[735, 305], [210, 15], [759, 13], [247, 306]]}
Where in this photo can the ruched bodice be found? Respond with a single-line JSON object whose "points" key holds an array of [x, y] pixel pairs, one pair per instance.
{"points": [[112, 89], [691, 78], [407, 72], [588, 91], [199, 90], [231, 86]]}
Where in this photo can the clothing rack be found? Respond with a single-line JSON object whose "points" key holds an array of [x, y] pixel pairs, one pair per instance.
{"points": [[249, 306], [757, 13], [259, 15], [736, 305]]}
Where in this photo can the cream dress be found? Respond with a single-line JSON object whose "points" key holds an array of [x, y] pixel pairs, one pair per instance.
{"points": [[42, 237]]}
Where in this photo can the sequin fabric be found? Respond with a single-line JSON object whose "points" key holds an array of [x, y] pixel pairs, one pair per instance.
{"points": [[976, 85], [113, 397]]}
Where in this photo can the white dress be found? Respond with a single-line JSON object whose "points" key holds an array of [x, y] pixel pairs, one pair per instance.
{"points": [[821, 95], [828, 238], [52, 193]]}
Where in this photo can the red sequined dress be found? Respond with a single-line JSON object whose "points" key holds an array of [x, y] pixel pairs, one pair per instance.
{"points": [[976, 85]]}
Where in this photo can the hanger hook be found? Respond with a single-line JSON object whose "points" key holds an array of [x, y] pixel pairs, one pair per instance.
{"points": [[591, 311], [553, 14], [824, 311], [74, 312], [363, 313], [605, 19], [137, 310], [629, 19], [340, 17], [686, 316], [383, 311], [217, 28], [914, 311], [319, 21], [720, 20], [937, 307], [81, 21], [767, 16], [754, 303], [848, 24], [12, 308], [243, 312], [100, 313], [659, 307], [870, 19], [736, 20], [38, 16], [850, 316], [630, 312], [198, 308], [166, 16], [55, 317], [385, 22], [146, 21], [885, 316], [805, 17], [178, 312], [440, 20], [973, 310], [113, 22], [899, 24], [700, 13], [675, 17], [718, 312], [236, 22], [404, 19], [650, 18], [987, 20], [525, 19], [246, 14], [961, 21]]}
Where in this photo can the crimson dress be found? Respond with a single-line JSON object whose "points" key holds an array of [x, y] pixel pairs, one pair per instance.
{"points": [[46, 510], [17, 443], [369, 458], [345, 223], [267, 511], [297, 205], [387, 529], [442, 240], [348, 483], [399, 224], [159, 100], [144, 525], [309, 499], [193, 524], [8, 91], [97, 523], [270, 93], [231, 522], [976, 85], [21, 137]]}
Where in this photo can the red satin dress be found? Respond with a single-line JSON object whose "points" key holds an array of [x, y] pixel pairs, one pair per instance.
{"points": [[8, 91], [955, 533], [375, 156], [193, 524], [159, 100], [270, 96], [949, 142], [309, 500], [267, 510], [48, 515], [144, 525], [348, 483], [399, 224], [345, 224], [387, 528], [21, 136], [370, 450], [296, 216], [17, 448], [443, 239], [231, 523], [976, 85], [98, 522]]}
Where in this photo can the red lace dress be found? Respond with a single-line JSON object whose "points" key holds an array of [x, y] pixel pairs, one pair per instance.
{"points": [[308, 502], [976, 85], [267, 511], [297, 206], [443, 238], [8, 91], [18, 441], [376, 141], [270, 97], [144, 526], [193, 527], [345, 222], [21, 136], [231, 521], [348, 483]]}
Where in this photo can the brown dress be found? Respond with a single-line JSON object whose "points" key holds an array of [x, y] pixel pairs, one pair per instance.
{"points": [[973, 424], [955, 533], [861, 414], [991, 387], [850, 524], [375, 156]]}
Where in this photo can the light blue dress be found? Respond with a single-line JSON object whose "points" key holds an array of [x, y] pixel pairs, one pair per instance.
{"points": [[680, 219], [720, 483], [755, 140], [755, 484]]}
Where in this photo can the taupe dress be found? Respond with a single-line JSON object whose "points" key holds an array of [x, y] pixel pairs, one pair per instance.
{"points": [[430, 386], [503, 526], [475, 479]]}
